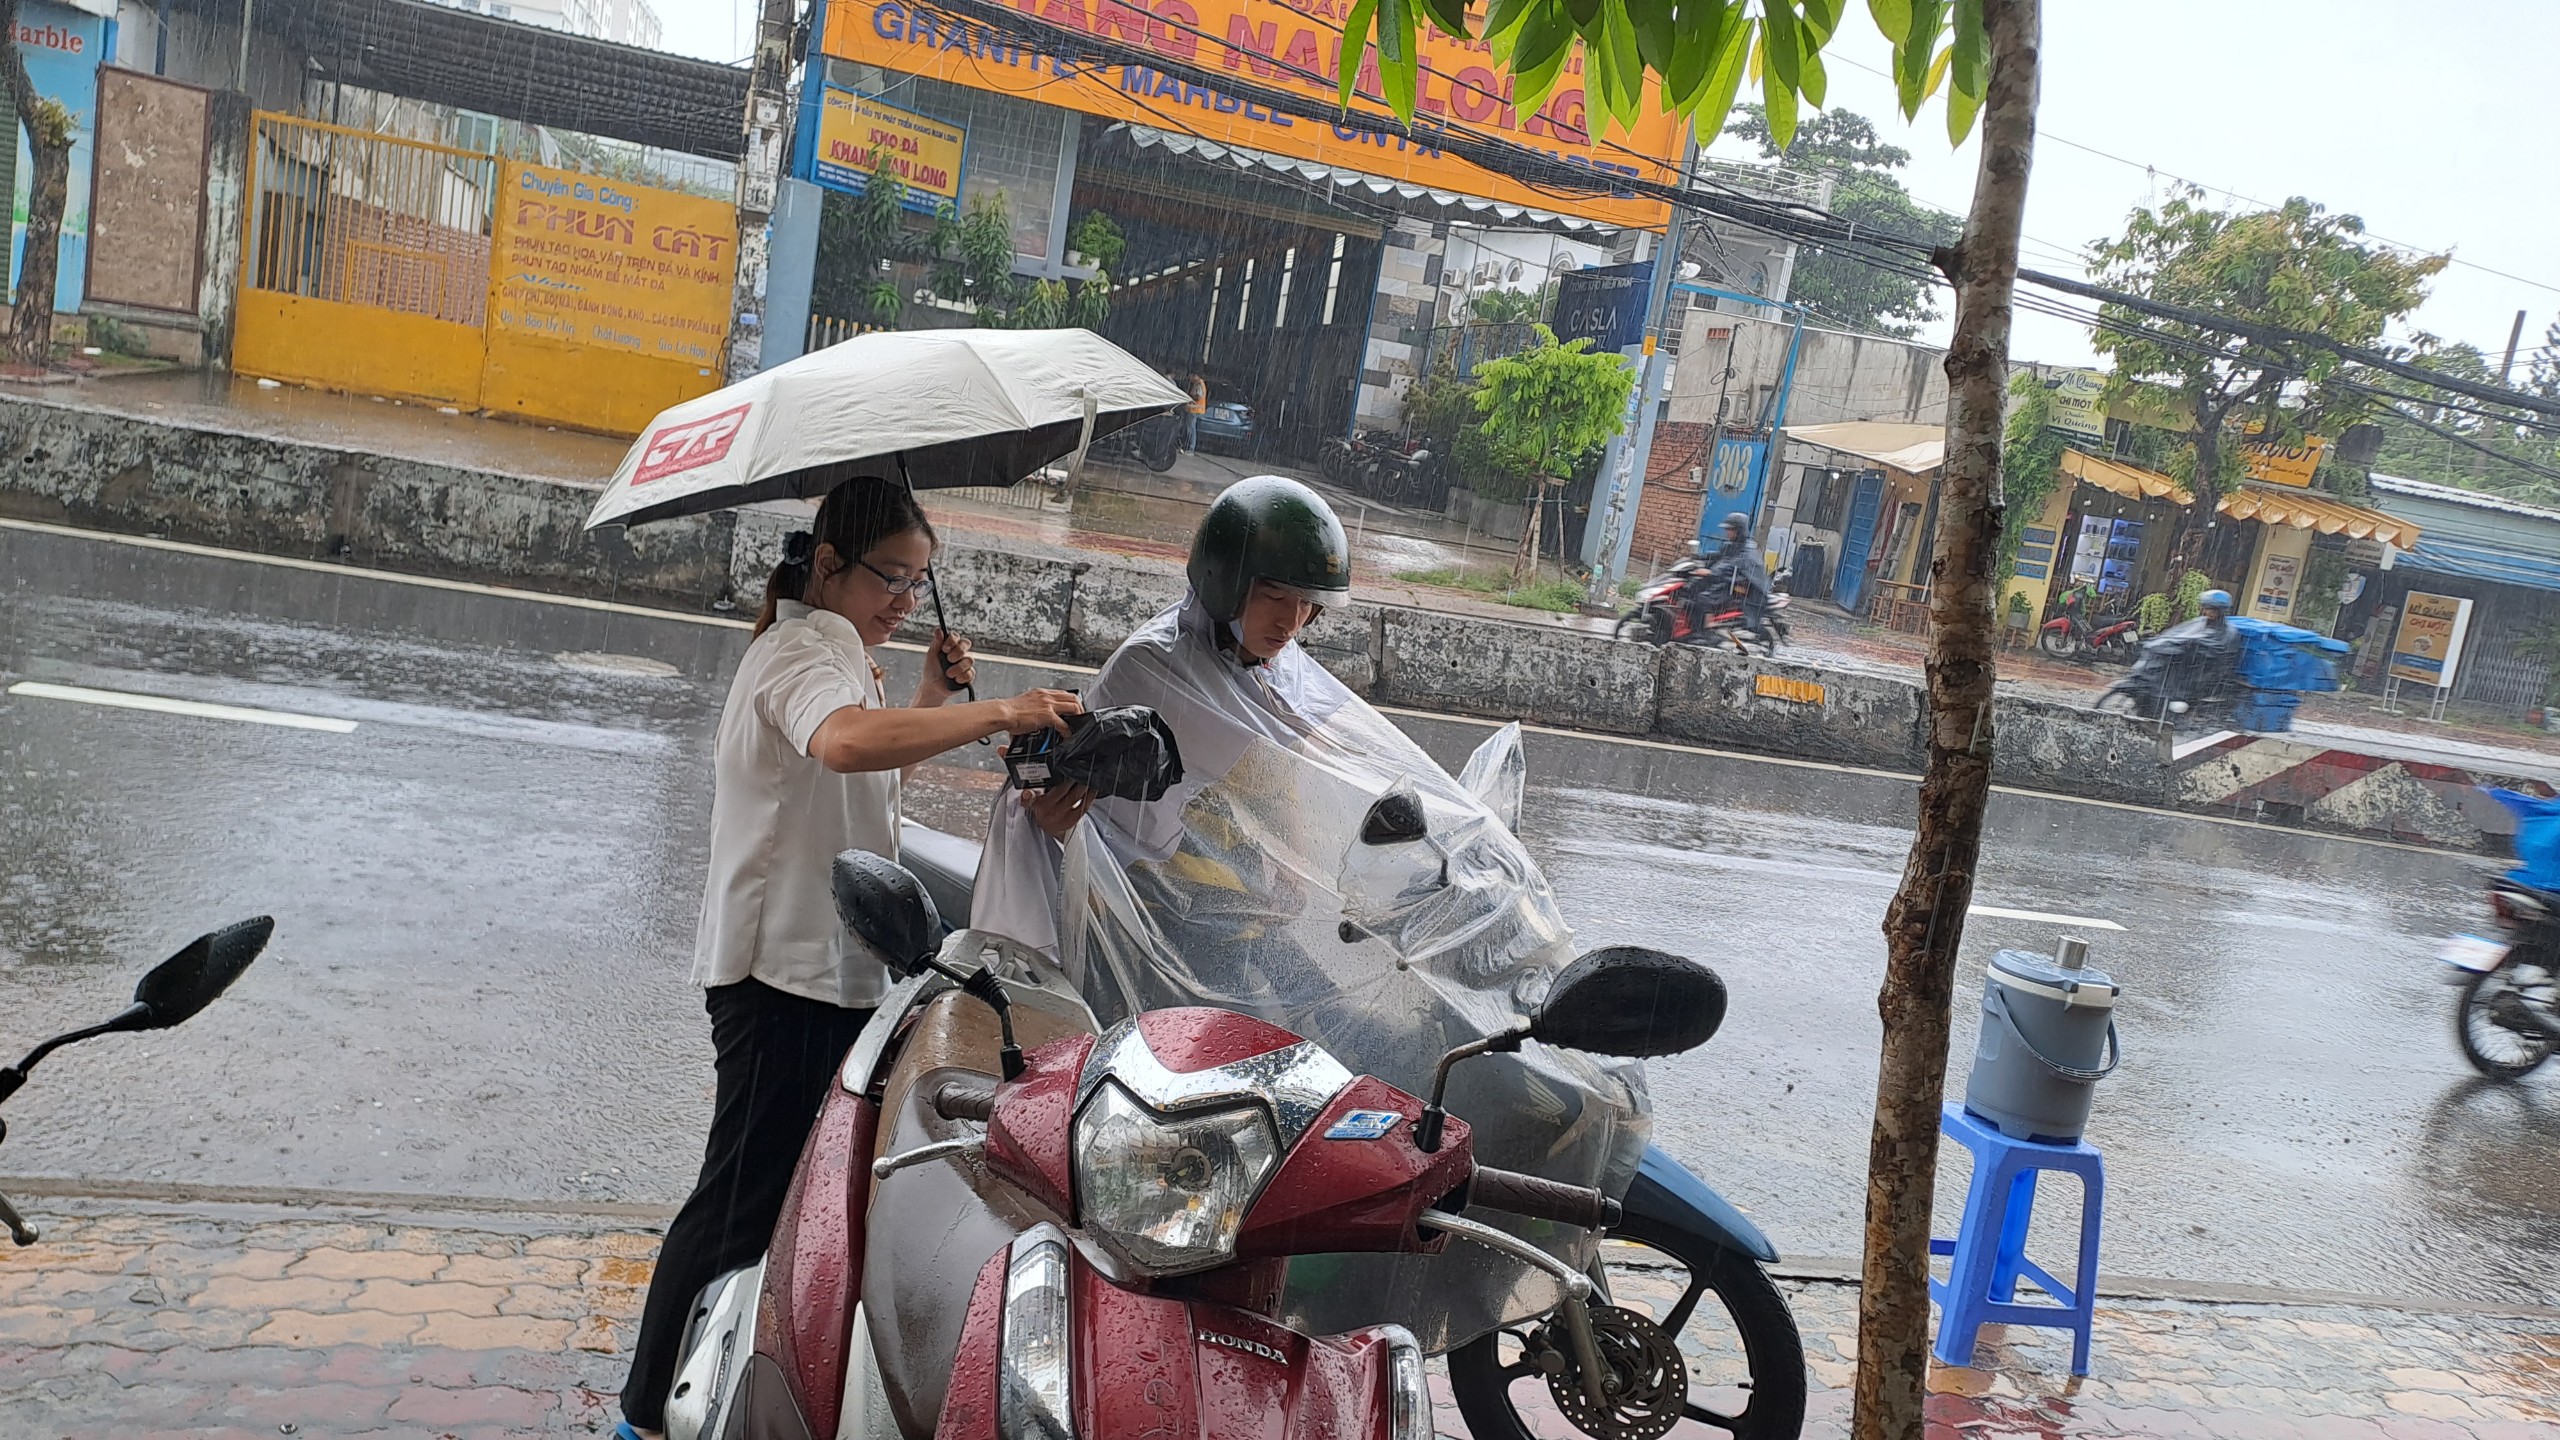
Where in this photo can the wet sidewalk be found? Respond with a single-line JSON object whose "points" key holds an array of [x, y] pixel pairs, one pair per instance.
{"points": [[265, 1319]]}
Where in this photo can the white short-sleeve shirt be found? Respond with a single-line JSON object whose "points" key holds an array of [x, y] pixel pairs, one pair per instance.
{"points": [[778, 818]]}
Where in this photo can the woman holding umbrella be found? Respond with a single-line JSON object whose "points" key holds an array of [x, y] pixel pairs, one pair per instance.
{"points": [[807, 764]]}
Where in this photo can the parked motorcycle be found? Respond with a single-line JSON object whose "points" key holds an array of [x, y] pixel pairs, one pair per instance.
{"points": [[1661, 615], [172, 993], [1202, 1157], [1155, 442], [2077, 633]]}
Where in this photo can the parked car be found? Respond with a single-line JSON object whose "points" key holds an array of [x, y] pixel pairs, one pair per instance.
{"points": [[1227, 424]]}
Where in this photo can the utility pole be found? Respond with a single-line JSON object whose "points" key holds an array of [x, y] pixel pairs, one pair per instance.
{"points": [[759, 173], [2506, 367], [1634, 445]]}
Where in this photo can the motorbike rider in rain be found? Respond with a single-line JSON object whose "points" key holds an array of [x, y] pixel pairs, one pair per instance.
{"points": [[1734, 575]]}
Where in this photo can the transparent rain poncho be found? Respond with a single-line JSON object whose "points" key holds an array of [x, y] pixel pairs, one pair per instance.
{"points": [[1249, 887]]}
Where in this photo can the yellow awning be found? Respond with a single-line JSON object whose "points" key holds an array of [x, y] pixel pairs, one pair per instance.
{"points": [[2130, 481], [2319, 513]]}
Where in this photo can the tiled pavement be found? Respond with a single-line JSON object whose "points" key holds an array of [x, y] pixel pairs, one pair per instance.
{"points": [[246, 1321]]}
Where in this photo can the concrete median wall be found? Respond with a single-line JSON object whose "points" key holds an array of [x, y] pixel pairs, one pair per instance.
{"points": [[1746, 703], [2107, 754], [286, 497], [1474, 666]]}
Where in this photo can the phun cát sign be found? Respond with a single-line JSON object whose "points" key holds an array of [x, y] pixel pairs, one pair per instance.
{"points": [[856, 134], [589, 261]]}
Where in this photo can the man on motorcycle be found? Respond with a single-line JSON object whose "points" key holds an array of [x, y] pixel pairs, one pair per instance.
{"points": [[1734, 575], [2186, 664]]}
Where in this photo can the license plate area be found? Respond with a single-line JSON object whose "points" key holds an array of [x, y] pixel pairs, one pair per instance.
{"points": [[2470, 954]]}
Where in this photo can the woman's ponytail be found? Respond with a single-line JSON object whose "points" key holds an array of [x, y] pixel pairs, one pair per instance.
{"points": [[791, 577]]}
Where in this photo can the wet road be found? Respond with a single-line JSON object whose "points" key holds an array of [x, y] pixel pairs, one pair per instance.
{"points": [[486, 892]]}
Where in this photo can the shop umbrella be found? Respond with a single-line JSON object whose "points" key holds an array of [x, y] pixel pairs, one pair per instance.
{"points": [[935, 408]]}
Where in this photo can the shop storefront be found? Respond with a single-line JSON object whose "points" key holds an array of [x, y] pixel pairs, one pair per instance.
{"points": [[1287, 252]]}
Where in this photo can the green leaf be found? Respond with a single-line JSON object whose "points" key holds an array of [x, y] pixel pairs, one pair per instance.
{"points": [[1911, 54], [1399, 63], [1972, 49], [1817, 82], [1501, 17], [1584, 12], [1355, 40], [1892, 17], [1450, 16], [1537, 59], [1657, 36], [1781, 103], [1937, 73], [1724, 79], [1961, 108], [1623, 58], [1821, 19], [1778, 27], [1686, 77]]}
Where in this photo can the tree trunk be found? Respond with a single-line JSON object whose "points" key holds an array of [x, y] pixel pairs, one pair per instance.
{"points": [[1925, 924], [31, 324], [49, 145], [1525, 559]]}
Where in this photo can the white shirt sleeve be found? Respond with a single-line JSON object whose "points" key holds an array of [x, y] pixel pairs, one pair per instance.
{"points": [[809, 680]]}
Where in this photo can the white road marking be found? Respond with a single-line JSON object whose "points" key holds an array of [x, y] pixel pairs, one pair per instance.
{"points": [[2085, 922], [162, 704]]}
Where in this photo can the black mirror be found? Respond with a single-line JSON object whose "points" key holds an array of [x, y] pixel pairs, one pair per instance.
{"points": [[881, 901], [195, 977], [1396, 817], [1630, 1001]]}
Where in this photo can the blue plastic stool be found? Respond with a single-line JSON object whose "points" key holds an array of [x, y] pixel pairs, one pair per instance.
{"points": [[1989, 1251]]}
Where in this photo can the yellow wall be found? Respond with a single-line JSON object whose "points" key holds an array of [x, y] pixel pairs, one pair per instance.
{"points": [[2038, 588], [585, 387], [2276, 541], [357, 348]]}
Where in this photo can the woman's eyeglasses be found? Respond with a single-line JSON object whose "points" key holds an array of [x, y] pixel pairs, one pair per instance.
{"points": [[917, 585]]}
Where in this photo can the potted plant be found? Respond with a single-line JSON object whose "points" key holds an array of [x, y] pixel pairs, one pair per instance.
{"points": [[1096, 240]]}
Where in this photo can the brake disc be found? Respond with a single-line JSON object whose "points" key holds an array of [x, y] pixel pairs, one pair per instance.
{"points": [[1647, 1383]]}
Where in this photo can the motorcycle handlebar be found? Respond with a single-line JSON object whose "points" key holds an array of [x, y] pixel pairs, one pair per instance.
{"points": [[967, 1098], [1543, 1199]]}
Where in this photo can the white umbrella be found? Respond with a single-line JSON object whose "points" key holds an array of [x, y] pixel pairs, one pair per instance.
{"points": [[935, 408]]}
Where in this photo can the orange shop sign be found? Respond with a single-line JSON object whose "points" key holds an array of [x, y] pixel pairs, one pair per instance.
{"points": [[1272, 45]]}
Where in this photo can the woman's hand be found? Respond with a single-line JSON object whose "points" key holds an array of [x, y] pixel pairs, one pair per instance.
{"points": [[949, 668], [1033, 711], [1057, 809]]}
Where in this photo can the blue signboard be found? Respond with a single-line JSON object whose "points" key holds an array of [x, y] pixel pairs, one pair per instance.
{"points": [[63, 49], [1604, 305]]}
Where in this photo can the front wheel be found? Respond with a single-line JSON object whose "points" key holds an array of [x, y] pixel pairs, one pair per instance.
{"points": [[1644, 624], [1736, 1337], [2058, 644], [2505, 1018]]}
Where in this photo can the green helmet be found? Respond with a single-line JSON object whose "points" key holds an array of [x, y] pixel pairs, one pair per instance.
{"points": [[1269, 527]]}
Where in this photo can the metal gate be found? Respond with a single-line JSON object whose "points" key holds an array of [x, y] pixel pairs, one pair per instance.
{"points": [[1733, 486], [365, 266]]}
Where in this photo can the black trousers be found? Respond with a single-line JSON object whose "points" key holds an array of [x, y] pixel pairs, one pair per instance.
{"points": [[774, 1054]]}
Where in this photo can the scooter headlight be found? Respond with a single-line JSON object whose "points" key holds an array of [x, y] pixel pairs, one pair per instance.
{"points": [[1171, 1191]]}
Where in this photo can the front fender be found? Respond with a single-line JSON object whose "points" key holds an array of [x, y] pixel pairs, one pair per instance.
{"points": [[1666, 1194]]}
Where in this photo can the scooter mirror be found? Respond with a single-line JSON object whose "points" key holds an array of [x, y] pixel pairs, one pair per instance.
{"points": [[1629, 1001], [886, 907], [195, 977], [1396, 816]]}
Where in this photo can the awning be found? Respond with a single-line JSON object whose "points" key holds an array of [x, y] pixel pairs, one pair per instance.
{"points": [[2305, 511], [2130, 481], [2298, 508], [2482, 562], [1445, 200], [1911, 449]]}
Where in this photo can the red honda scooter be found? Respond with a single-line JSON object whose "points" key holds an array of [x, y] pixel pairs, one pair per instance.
{"points": [[1013, 1224], [1662, 614]]}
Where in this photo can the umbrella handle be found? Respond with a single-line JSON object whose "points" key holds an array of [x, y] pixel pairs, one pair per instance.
{"points": [[941, 621]]}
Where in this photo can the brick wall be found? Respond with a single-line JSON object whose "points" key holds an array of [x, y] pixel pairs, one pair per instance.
{"points": [[1667, 515]]}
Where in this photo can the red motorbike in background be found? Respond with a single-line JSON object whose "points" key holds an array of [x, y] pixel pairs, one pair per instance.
{"points": [[1663, 614], [1011, 1223], [2077, 633]]}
